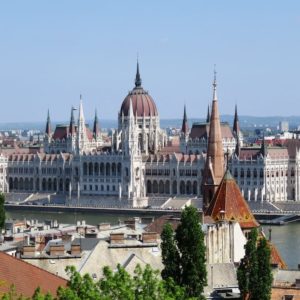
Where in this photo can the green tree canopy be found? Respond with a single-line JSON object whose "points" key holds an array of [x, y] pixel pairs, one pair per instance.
{"points": [[184, 253], [254, 272], [2, 211]]}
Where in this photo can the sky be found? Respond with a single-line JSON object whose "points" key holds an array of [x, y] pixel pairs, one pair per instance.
{"points": [[53, 51]]}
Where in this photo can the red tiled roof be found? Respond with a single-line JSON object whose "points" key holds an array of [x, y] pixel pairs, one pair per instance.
{"points": [[276, 257], [229, 204], [26, 277], [201, 130], [158, 224]]}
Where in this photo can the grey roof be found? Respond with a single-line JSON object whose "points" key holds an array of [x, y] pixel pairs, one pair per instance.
{"points": [[87, 244], [288, 276]]}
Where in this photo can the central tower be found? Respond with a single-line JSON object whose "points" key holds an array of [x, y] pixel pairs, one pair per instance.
{"points": [[214, 166]]}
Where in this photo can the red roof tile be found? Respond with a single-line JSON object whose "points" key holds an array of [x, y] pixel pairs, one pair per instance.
{"points": [[229, 204], [26, 277]]}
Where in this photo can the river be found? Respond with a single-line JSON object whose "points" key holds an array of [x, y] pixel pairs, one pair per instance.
{"points": [[286, 238]]}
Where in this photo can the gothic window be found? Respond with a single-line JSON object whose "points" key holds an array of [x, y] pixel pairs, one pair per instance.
{"points": [[195, 188], [91, 169], [174, 187], [155, 187], [149, 187], [248, 173], [254, 173], [161, 187], [119, 169], [235, 174], [85, 168], [242, 172], [167, 187], [107, 169], [261, 173], [102, 169], [292, 172], [188, 188]]}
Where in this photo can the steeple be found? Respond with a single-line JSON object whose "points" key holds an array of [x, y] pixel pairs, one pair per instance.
{"points": [[208, 115], [138, 80], [236, 124], [215, 98], [185, 125], [48, 124], [72, 121], [81, 130], [214, 167], [96, 127], [263, 149]]}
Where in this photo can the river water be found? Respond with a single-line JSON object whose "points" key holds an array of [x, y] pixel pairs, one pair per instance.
{"points": [[286, 238]]}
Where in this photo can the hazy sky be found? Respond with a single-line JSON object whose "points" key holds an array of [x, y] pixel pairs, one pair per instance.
{"points": [[51, 51]]}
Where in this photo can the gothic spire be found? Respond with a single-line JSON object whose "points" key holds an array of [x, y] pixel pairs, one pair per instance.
{"points": [[215, 98], [214, 167], [48, 124], [138, 80], [185, 125], [96, 127], [236, 123], [208, 115], [263, 149], [72, 121]]}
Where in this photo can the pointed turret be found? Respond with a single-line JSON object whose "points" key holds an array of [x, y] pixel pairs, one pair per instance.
{"points": [[214, 167], [72, 122], [185, 125], [138, 80], [208, 115], [263, 149], [48, 124], [236, 123], [81, 131], [96, 127]]}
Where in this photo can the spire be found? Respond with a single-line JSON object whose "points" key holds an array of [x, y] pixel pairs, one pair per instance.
{"points": [[215, 98], [263, 149], [214, 167], [185, 125], [96, 127], [72, 121], [236, 124], [138, 80], [208, 115], [48, 124]]}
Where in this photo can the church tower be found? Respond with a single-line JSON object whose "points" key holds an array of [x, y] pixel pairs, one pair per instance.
{"points": [[82, 141], [214, 166]]}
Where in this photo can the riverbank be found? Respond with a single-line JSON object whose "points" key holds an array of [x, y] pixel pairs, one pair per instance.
{"points": [[103, 210]]}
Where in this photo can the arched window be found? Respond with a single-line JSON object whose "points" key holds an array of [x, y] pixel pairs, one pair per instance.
{"points": [[242, 173]]}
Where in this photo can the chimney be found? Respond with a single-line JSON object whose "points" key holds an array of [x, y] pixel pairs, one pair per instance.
{"points": [[103, 226], [116, 238], [28, 250], [75, 250], [149, 237], [57, 250]]}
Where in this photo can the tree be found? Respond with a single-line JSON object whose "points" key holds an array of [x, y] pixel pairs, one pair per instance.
{"points": [[263, 287], [254, 272], [187, 248], [247, 270], [2, 211], [170, 255], [119, 285]]}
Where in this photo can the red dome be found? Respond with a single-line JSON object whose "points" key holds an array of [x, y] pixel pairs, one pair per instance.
{"points": [[142, 103]]}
